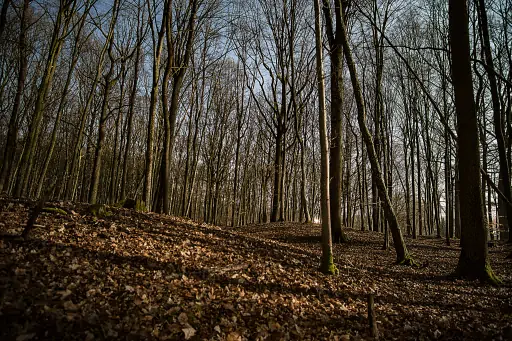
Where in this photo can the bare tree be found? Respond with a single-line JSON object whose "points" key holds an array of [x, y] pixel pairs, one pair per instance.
{"points": [[335, 165], [402, 255], [60, 31], [110, 80], [327, 263], [473, 260], [179, 50]]}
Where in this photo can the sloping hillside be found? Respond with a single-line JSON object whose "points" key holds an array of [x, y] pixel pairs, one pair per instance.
{"points": [[132, 276]]}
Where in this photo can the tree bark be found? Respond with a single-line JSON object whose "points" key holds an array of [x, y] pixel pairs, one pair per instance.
{"points": [[109, 83], [335, 151], [177, 60], [327, 263], [131, 109], [147, 193], [499, 130], [473, 259]]}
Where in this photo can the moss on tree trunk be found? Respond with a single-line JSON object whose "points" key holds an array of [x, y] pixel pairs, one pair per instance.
{"points": [[328, 267]]}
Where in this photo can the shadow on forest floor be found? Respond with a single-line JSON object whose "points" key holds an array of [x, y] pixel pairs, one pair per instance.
{"points": [[144, 276]]}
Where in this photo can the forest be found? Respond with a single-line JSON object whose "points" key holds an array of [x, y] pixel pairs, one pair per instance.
{"points": [[268, 169]]}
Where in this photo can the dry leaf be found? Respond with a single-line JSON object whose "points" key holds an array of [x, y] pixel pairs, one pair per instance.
{"points": [[70, 306], [189, 332], [234, 336], [65, 294], [283, 296], [183, 318], [25, 337]]}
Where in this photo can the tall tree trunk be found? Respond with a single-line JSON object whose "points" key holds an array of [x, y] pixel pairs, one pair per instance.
{"points": [[418, 160], [298, 122], [448, 188], [499, 130], [403, 256], [327, 263], [98, 151], [239, 125], [109, 83], [473, 260], [114, 169], [276, 197], [447, 166], [131, 109], [188, 159], [163, 191], [407, 187], [150, 140], [335, 152], [177, 60]]}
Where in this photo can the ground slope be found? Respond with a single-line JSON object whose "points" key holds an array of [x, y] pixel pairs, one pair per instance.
{"points": [[137, 276]]}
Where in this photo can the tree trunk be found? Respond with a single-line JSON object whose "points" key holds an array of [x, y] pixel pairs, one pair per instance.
{"points": [[131, 109], [27, 158], [402, 254], [114, 169], [150, 158], [407, 190], [240, 117], [327, 263], [335, 152], [418, 166], [74, 168], [109, 83], [60, 110], [98, 152], [278, 174], [473, 260], [177, 60], [499, 130]]}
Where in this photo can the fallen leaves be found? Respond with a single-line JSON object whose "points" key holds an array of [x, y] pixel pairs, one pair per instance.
{"points": [[70, 306], [189, 332], [234, 336], [25, 337], [144, 276]]}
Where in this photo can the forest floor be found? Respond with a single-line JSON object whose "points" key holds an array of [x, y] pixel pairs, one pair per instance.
{"points": [[144, 276]]}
